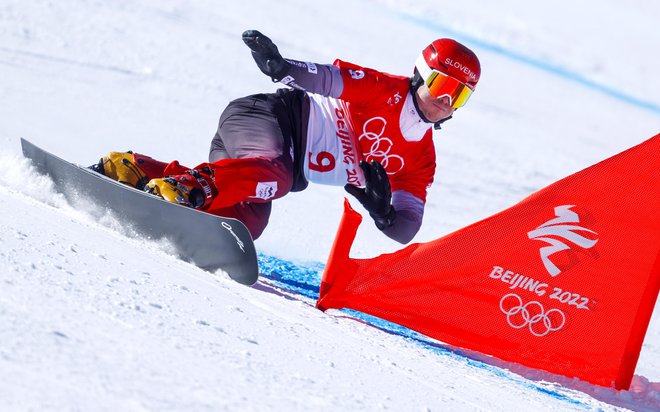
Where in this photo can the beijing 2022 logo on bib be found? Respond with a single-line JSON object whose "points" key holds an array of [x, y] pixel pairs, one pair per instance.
{"points": [[558, 232]]}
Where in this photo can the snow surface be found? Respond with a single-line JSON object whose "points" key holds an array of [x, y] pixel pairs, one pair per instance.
{"points": [[93, 318]]}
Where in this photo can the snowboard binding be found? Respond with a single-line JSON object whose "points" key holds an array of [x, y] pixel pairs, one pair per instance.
{"points": [[129, 168], [194, 188]]}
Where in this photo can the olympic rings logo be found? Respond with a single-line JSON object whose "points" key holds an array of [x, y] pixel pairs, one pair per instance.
{"points": [[380, 146], [532, 315]]}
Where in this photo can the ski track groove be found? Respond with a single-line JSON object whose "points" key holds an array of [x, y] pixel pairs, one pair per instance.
{"points": [[70, 62], [554, 69]]}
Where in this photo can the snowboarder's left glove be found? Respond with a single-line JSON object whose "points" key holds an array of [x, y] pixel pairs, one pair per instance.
{"points": [[265, 53], [376, 196], [195, 188]]}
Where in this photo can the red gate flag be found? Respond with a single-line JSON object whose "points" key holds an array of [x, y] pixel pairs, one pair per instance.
{"points": [[564, 281]]}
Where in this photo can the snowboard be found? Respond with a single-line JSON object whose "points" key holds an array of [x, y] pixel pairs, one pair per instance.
{"points": [[208, 241]]}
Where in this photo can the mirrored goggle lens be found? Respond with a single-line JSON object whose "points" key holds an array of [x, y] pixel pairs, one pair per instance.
{"points": [[440, 85]]}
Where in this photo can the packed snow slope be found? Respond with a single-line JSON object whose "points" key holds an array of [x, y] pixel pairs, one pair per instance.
{"points": [[94, 318]]}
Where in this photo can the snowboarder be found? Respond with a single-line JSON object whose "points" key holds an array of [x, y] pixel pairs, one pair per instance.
{"points": [[338, 124]]}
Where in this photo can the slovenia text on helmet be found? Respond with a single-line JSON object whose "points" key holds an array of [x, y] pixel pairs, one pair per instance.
{"points": [[448, 69]]}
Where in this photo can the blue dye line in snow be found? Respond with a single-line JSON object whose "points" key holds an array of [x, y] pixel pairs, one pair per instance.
{"points": [[556, 70], [305, 281]]}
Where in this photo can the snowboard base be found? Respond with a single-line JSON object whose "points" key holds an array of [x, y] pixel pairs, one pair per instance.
{"points": [[208, 241]]}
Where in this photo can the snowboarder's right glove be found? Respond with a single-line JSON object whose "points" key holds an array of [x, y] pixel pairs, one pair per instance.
{"points": [[265, 53], [376, 196], [195, 188]]}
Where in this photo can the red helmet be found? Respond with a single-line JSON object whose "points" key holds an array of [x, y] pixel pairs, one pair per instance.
{"points": [[453, 59], [449, 70]]}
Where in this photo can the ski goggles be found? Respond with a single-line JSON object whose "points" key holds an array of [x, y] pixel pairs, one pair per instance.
{"points": [[441, 85]]}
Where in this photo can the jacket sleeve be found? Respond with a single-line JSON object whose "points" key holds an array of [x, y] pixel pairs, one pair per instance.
{"points": [[324, 79], [409, 213]]}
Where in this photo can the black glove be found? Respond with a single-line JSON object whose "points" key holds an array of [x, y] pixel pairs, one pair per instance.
{"points": [[376, 196], [265, 53]]}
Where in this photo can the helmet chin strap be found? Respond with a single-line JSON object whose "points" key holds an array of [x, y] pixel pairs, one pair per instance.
{"points": [[437, 124]]}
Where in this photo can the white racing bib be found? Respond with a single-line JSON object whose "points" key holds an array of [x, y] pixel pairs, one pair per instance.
{"points": [[332, 156]]}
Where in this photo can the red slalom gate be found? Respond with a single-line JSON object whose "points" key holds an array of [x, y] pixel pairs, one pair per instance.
{"points": [[564, 281]]}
